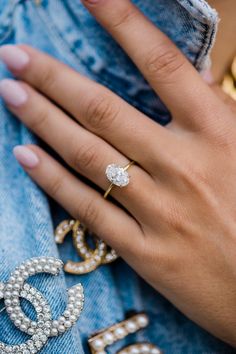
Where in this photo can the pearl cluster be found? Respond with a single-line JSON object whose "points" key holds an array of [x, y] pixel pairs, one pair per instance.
{"points": [[44, 327], [92, 258], [109, 336], [32, 346], [72, 312], [142, 348]]}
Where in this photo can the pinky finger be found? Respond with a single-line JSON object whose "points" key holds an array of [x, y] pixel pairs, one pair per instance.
{"points": [[105, 219]]}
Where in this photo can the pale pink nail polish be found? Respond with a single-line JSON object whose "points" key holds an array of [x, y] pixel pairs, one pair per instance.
{"points": [[14, 57], [12, 92], [25, 156]]}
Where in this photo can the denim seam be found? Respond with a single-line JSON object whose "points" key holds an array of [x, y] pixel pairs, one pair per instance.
{"points": [[207, 27]]}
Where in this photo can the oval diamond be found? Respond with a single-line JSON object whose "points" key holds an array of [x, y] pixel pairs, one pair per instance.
{"points": [[117, 175]]}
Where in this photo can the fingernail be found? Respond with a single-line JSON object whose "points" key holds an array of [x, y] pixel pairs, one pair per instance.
{"points": [[25, 156], [207, 76], [14, 57], [12, 92]]}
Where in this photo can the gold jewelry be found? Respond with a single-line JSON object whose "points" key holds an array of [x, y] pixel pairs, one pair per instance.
{"points": [[229, 81], [118, 176], [141, 348], [101, 254], [92, 258], [109, 336]]}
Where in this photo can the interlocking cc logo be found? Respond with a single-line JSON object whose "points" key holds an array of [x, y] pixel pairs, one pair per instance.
{"points": [[91, 258], [45, 327]]}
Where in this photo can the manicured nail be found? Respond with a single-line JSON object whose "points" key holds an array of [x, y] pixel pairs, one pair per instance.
{"points": [[14, 57], [25, 156], [12, 92]]}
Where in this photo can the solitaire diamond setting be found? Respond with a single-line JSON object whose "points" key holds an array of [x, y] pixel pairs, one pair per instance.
{"points": [[117, 175]]}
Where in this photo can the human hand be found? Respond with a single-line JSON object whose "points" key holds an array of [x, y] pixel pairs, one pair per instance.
{"points": [[177, 228]]}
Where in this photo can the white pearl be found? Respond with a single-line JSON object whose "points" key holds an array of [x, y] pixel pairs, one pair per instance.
{"points": [[54, 332], [73, 318], [142, 321], [98, 344], [120, 333], [108, 338], [134, 351], [61, 328], [131, 326], [145, 349], [68, 324]]}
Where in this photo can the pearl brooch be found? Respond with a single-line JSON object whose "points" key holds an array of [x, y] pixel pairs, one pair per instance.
{"points": [[91, 258], [45, 327], [113, 334]]}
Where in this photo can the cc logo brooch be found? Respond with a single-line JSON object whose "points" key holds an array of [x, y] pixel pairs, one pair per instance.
{"points": [[109, 336], [45, 327], [91, 258]]}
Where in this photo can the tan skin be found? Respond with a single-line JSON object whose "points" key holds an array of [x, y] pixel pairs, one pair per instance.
{"points": [[179, 232]]}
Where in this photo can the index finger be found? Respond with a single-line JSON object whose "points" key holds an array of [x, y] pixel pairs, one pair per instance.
{"points": [[164, 66]]}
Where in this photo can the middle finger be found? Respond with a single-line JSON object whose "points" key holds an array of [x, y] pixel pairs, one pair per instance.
{"points": [[94, 106]]}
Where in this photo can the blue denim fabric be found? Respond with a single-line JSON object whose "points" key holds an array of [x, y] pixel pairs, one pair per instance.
{"points": [[65, 30]]}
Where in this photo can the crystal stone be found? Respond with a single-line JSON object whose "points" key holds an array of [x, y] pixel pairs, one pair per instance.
{"points": [[117, 175]]}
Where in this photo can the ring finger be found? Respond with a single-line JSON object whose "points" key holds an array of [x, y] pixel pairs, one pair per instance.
{"points": [[85, 152], [105, 219]]}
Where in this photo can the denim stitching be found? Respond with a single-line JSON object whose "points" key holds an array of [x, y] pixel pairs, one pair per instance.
{"points": [[207, 27]]}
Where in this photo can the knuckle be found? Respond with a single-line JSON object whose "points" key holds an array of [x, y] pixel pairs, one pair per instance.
{"points": [[125, 16], [163, 61], [55, 186], [175, 220], [86, 158], [46, 78], [40, 121], [197, 180], [101, 113], [89, 212], [198, 177]]}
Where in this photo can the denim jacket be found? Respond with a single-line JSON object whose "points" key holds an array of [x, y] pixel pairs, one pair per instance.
{"points": [[65, 30]]}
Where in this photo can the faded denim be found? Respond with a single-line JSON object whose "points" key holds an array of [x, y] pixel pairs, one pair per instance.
{"points": [[65, 30]]}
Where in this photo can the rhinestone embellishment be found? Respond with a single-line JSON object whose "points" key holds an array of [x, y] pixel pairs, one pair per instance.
{"points": [[91, 258], [117, 175], [45, 327]]}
